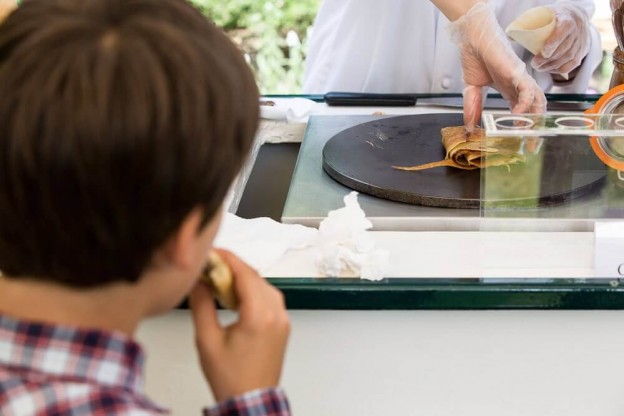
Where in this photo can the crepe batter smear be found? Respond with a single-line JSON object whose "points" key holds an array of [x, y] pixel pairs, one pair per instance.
{"points": [[474, 150]]}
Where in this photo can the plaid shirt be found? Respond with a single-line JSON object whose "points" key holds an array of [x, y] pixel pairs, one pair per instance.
{"points": [[53, 370]]}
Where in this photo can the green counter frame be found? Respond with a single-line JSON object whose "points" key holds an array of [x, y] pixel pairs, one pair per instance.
{"points": [[451, 294]]}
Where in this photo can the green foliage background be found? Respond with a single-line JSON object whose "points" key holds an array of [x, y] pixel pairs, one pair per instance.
{"points": [[273, 35]]}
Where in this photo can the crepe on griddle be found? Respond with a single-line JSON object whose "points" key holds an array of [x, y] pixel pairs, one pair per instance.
{"points": [[473, 150]]}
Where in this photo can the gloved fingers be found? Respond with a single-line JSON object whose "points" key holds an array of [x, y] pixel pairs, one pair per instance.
{"points": [[511, 85], [563, 66], [566, 25], [530, 97], [569, 43], [473, 106], [523, 102], [566, 47], [569, 66], [553, 43], [542, 64], [539, 102]]}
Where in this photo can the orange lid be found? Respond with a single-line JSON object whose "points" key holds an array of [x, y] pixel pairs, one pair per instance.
{"points": [[595, 142]]}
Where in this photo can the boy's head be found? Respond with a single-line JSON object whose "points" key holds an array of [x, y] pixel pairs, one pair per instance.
{"points": [[117, 119]]}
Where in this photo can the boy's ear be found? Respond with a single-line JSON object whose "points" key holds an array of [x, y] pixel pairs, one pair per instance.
{"points": [[180, 247]]}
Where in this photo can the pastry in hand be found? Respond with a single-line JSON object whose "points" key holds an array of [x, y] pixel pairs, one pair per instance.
{"points": [[218, 276], [474, 150]]}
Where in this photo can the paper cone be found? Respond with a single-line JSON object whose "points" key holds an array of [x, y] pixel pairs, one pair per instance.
{"points": [[533, 28]]}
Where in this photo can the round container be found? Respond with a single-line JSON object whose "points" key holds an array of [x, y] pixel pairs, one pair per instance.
{"points": [[610, 150]]}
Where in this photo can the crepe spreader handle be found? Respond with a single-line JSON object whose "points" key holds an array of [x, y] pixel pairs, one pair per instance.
{"points": [[369, 99]]}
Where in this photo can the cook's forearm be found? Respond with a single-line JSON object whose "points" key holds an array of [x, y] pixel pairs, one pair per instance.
{"points": [[454, 9]]}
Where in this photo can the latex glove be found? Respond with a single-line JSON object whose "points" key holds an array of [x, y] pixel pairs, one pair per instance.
{"points": [[248, 354], [488, 60], [569, 43]]}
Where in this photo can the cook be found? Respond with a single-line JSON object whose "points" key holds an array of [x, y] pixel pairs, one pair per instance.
{"points": [[417, 46]]}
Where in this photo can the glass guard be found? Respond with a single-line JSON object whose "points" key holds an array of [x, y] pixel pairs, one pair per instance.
{"points": [[557, 124], [546, 180]]}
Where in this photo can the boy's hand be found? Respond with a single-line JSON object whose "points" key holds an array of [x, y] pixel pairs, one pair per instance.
{"points": [[248, 354]]}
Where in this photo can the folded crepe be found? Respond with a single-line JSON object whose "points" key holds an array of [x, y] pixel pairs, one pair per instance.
{"points": [[474, 150]]}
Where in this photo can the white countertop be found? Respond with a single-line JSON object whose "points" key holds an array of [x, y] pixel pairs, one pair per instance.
{"points": [[468, 255]]}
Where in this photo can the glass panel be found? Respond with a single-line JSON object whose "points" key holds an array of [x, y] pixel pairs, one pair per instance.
{"points": [[564, 125], [550, 190]]}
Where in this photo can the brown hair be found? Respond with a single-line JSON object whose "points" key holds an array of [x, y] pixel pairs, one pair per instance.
{"points": [[117, 118]]}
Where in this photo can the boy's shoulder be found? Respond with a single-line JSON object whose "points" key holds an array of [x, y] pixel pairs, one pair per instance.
{"points": [[47, 368]]}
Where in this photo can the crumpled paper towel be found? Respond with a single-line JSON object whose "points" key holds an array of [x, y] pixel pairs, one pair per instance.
{"points": [[261, 242], [346, 247], [343, 246]]}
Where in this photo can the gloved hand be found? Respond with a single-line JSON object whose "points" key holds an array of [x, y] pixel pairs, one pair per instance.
{"points": [[488, 60], [569, 43]]}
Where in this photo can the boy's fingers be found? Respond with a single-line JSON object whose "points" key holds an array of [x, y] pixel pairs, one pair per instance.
{"points": [[246, 279], [251, 288], [204, 312]]}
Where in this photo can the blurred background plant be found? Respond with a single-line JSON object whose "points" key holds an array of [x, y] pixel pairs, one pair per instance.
{"points": [[273, 35]]}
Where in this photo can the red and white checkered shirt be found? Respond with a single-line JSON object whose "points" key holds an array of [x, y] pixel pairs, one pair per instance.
{"points": [[54, 370]]}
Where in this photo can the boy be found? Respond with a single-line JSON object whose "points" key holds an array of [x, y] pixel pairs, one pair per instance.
{"points": [[122, 125]]}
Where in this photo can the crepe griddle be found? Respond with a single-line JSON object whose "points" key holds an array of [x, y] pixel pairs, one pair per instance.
{"points": [[362, 157]]}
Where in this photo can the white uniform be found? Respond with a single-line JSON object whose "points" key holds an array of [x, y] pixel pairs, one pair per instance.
{"points": [[403, 46]]}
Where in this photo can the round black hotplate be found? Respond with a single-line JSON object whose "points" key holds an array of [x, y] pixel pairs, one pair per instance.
{"points": [[362, 157]]}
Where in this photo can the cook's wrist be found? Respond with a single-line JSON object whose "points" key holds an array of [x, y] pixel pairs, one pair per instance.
{"points": [[454, 9]]}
